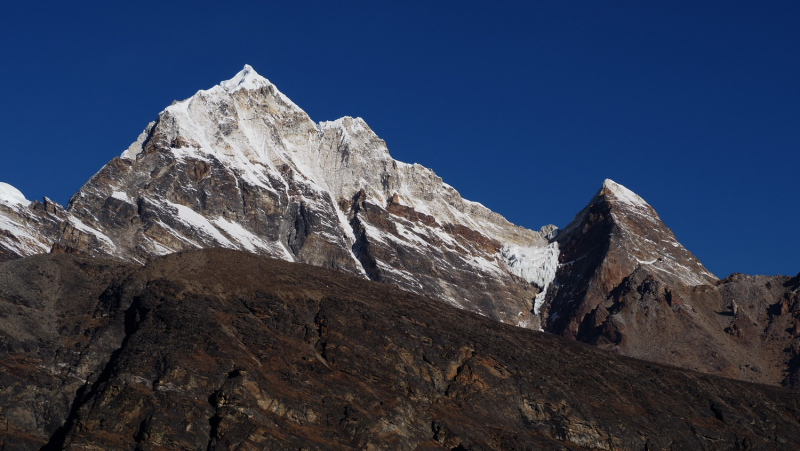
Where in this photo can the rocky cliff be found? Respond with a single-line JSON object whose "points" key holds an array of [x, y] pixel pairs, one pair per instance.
{"points": [[27, 228]]}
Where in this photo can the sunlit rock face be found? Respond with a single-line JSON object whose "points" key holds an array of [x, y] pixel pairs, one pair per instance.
{"points": [[240, 166], [614, 235], [28, 228]]}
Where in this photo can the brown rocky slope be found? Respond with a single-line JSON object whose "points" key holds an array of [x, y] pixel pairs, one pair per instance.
{"points": [[220, 349], [626, 285]]}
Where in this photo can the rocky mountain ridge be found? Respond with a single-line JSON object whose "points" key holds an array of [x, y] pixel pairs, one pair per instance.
{"points": [[626, 285], [240, 166], [221, 349]]}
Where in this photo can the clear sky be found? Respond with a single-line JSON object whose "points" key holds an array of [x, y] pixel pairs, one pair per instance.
{"points": [[525, 107]]}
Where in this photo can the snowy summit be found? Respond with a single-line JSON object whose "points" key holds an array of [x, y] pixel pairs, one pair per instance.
{"points": [[247, 78], [623, 194]]}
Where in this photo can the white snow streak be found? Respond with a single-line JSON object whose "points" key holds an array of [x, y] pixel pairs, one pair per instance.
{"points": [[536, 265]]}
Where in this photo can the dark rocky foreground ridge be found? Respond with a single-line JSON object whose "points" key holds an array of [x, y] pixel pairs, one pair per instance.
{"points": [[220, 349]]}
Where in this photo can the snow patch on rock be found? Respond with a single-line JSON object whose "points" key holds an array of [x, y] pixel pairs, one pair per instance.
{"points": [[80, 225], [12, 196], [623, 194], [25, 243], [199, 223], [136, 148]]}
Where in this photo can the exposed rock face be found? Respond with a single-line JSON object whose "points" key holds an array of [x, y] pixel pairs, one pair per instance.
{"points": [[626, 285], [240, 166], [28, 228], [761, 315], [219, 349], [58, 329]]}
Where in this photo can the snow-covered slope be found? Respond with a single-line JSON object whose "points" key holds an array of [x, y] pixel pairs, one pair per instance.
{"points": [[12, 196], [241, 166]]}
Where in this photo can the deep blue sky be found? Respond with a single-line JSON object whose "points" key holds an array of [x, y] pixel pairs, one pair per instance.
{"points": [[523, 106]]}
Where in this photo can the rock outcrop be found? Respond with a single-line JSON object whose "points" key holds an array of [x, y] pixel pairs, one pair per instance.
{"points": [[626, 285], [28, 228], [219, 349]]}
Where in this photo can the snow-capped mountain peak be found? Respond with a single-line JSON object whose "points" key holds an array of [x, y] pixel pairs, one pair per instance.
{"points": [[247, 78], [241, 166]]}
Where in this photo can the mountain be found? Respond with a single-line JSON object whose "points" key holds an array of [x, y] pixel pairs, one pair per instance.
{"points": [[625, 284], [221, 349], [240, 166]]}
